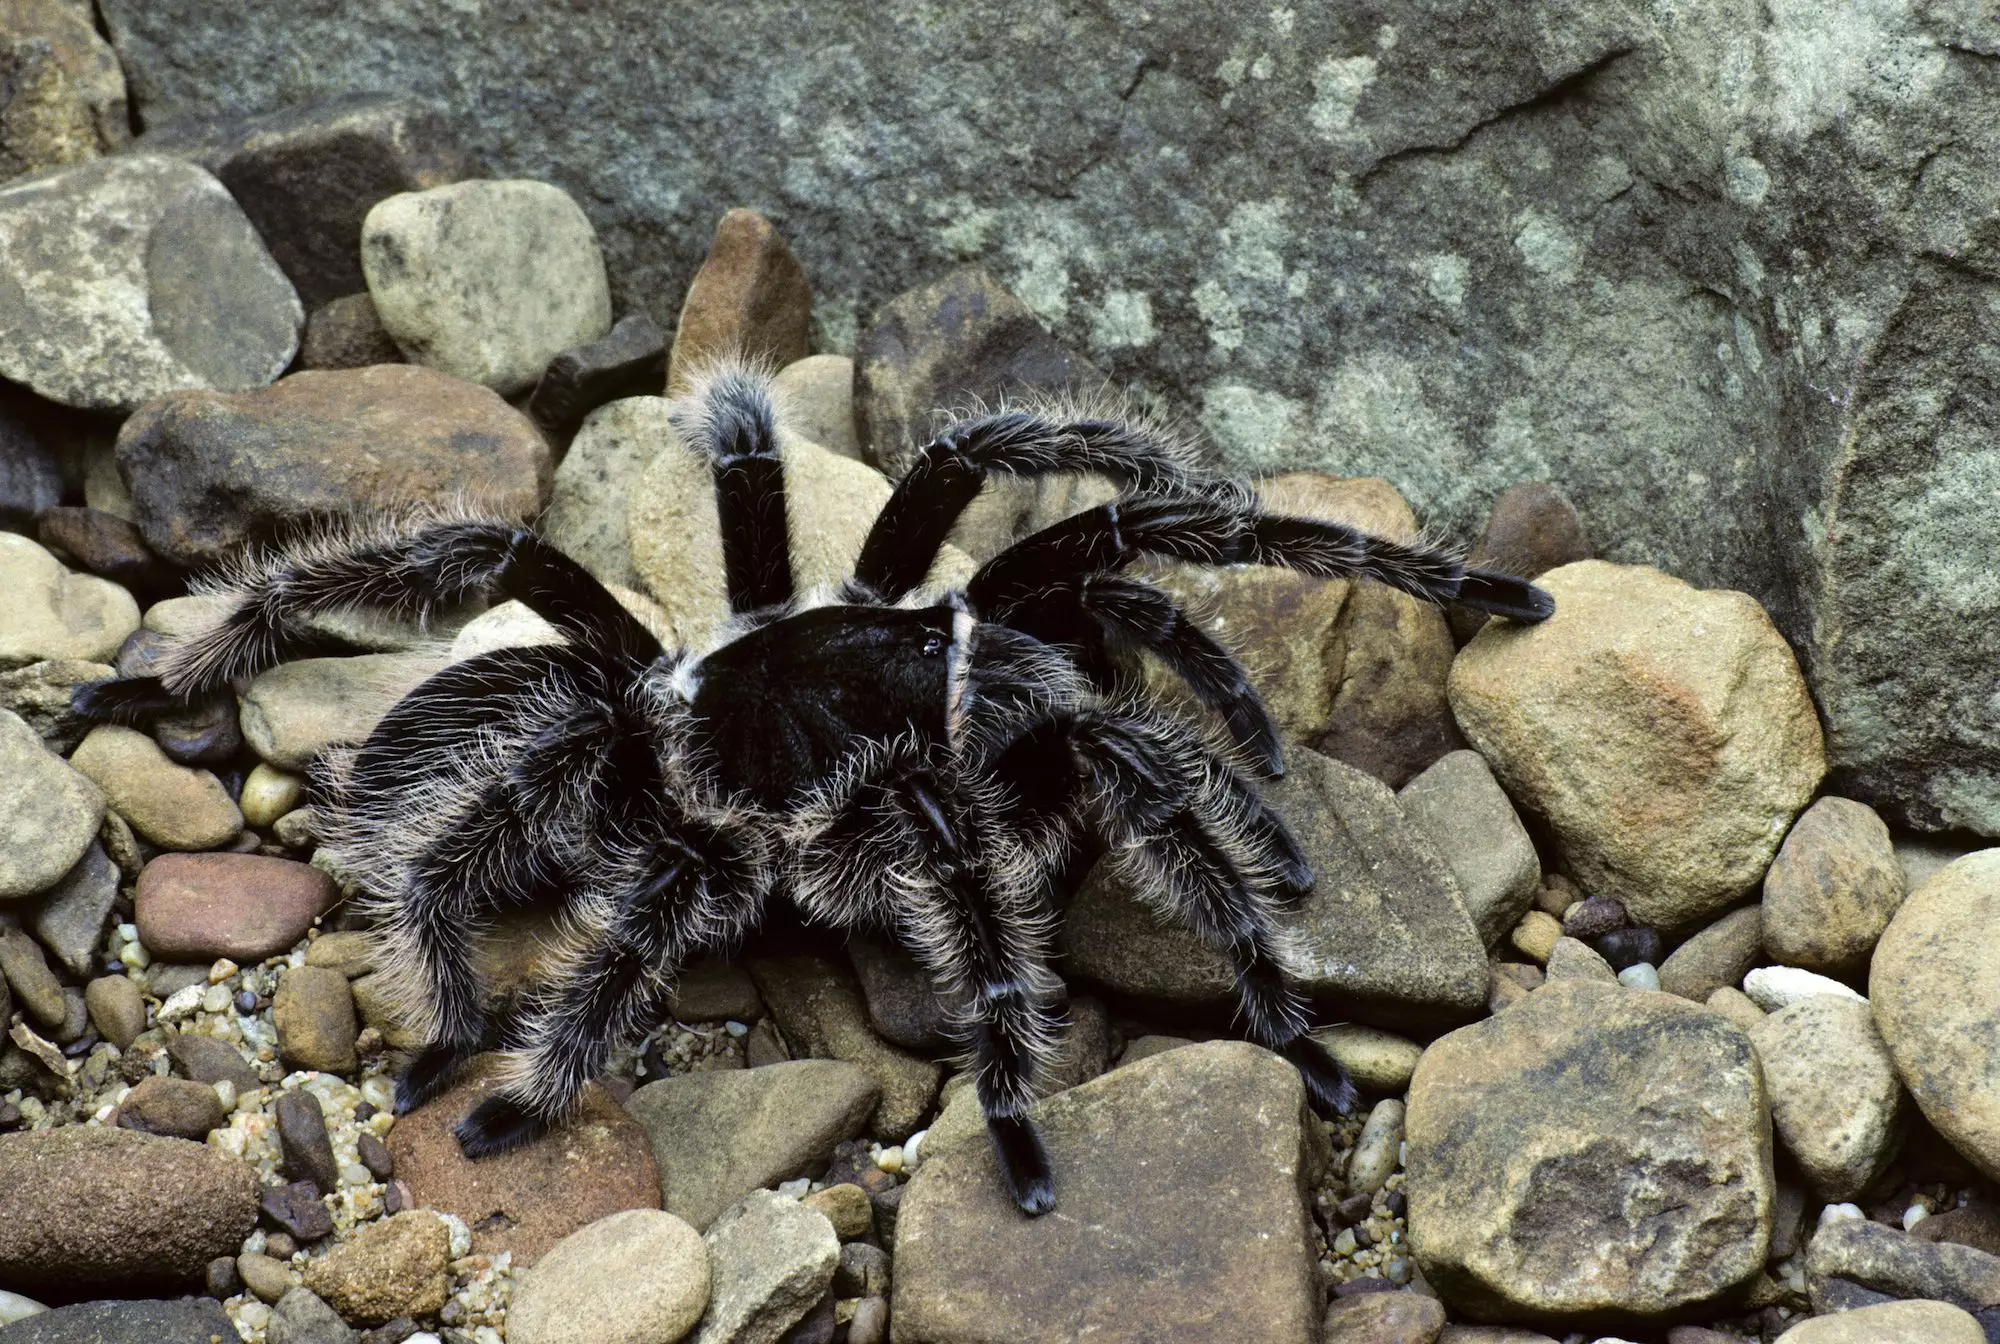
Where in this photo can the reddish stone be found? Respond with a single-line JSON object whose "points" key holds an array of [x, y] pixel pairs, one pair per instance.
{"points": [[750, 297], [527, 1200], [197, 907]]}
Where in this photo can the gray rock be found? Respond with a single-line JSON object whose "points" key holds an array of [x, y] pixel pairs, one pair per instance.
{"points": [[307, 176], [53, 613], [818, 1005], [70, 919], [903, 1006], [1384, 932], [1889, 1260], [770, 1260], [48, 812], [628, 361], [711, 990], [209, 1060], [44, 122], [1835, 1100], [816, 398], [484, 280], [1833, 887], [23, 966], [40, 693], [302, 1137], [296, 710], [595, 481], [31, 462], [134, 276], [1463, 810], [1574, 960], [719, 1134], [302, 1318], [191, 1320], [637, 1277]]}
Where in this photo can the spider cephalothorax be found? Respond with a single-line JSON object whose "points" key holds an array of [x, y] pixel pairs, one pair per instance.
{"points": [[939, 767]]}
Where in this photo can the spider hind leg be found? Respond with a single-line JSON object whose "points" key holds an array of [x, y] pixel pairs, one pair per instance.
{"points": [[1024, 1163], [1328, 1087], [1504, 595], [496, 1125]]}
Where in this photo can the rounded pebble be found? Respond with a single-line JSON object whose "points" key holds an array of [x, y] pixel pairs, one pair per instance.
{"points": [[636, 1277], [1639, 976]]}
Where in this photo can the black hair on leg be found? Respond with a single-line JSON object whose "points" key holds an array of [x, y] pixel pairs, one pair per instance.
{"points": [[729, 419]]}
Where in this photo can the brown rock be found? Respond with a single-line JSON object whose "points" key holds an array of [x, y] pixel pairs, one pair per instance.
{"points": [[109, 546], [526, 1200], [209, 472], [117, 1008], [1717, 957], [396, 1267], [1533, 529], [207, 1059], [1975, 1225], [750, 297], [349, 951], [171, 805], [346, 333], [846, 1206], [1664, 733], [197, 907], [174, 1107], [1383, 1318], [314, 1015], [23, 966], [818, 1005], [1833, 888], [112, 1213], [816, 398]]}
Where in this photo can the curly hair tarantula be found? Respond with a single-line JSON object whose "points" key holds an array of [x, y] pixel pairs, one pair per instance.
{"points": [[938, 766]]}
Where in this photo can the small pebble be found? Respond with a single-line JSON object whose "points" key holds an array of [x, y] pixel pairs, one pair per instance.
{"points": [[221, 971], [280, 1246], [1640, 976], [246, 1002], [223, 1280], [890, 1159], [1913, 1215], [1841, 1213], [374, 1153]]}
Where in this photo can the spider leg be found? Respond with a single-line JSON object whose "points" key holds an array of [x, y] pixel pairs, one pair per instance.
{"points": [[729, 419], [407, 565], [1023, 441]]}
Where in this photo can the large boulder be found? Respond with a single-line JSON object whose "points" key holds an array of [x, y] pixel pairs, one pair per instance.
{"points": [[1592, 1152], [1663, 733]]}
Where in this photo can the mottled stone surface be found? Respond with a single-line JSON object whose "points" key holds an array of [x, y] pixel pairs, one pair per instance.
{"points": [[1835, 1100], [1832, 888], [750, 299], [50, 812]]}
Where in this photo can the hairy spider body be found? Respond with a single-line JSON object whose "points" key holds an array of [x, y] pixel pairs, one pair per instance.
{"points": [[937, 767]]}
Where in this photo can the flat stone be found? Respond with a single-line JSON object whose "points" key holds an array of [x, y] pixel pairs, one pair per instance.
{"points": [[1663, 732], [302, 1137], [1139, 1247], [198, 907], [1834, 1095], [1383, 1318], [594, 485], [25, 968], [49, 812], [1458, 804], [1718, 957], [486, 280], [40, 693], [903, 1006], [396, 1267], [164, 285], [113, 1212], [301, 1318], [750, 298], [718, 1135], [1935, 986], [191, 1320], [1570, 959], [53, 613], [210, 472], [527, 1200], [110, 547], [171, 805], [816, 399], [770, 1261], [1592, 1150], [1890, 1323], [296, 1208], [314, 1016], [173, 1107], [628, 361], [209, 1060], [818, 1005], [69, 919], [117, 1008], [1383, 933], [638, 1277], [1888, 1260], [1832, 889], [307, 175]]}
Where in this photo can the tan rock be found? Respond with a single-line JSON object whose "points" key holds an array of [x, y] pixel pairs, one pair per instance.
{"points": [[1663, 732], [1573, 960], [1717, 957], [174, 1107], [296, 710], [638, 1277], [1383, 1318], [1935, 986], [52, 613], [1377, 1061], [1833, 888], [268, 794], [1890, 1323], [816, 398], [48, 811], [89, 67], [1535, 937], [1735, 1005], [846, 1206], [397, 1267], [314, 1015], [750, 298], [172, 805], [1834, 1095], [117, 1008], [1458, 804]]}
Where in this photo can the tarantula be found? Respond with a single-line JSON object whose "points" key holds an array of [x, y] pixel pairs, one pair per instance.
{"points": [[939, 766]]}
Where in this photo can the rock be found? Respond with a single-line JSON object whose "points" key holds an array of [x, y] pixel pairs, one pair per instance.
{"points": [[210, 472], [1834, 1096], [37, 458], [903, 1006], [816, 399], [43, 121], [314, 1015], [188, 1321], [1833, 888], [53, 613], [198, 907], [1717, 957], [113, 1212], [1460, 807], [750, 298], [268, 794], [1776, 987], [298, 1210], [1490, 1334], [269, 1278], [1976, 1225], [49, 812], [349, 951], [1625, 949], [307, 175], [770, 1260], [166, 286], [638, 1277], [718, 1135], [1376, 1060], [1375, 1153], [208, 1060], [301, 1318], [870, 1322], [527, 1200], [297, 710], [1083, 1045], [1937, 1002], [1591, 1150], [1664, 733], [1383, 1318], [1890, 1323], [628, 361], [69, 919], [864, 1271], [711, 990], [1855, 1253], [109, 547], [1138, 1248], [587, 514], [486, 280], [40, 695], [397, 1267], [846, 1206], [23, 966], [1383, 933], [1573, 960], [88, 67], [302, 1137], [346, 333], [1532, 529], [117, 1008], [819, 1007], [173, 1107], [1536, 936], [171, 805]]}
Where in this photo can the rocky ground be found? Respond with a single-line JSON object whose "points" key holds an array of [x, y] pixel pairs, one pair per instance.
{"points": [[1661, 1041]]}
